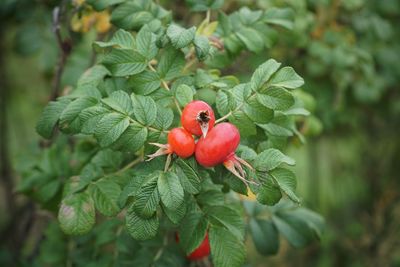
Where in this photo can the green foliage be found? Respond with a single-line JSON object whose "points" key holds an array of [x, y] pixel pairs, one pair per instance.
{"points": [[145, 73]]}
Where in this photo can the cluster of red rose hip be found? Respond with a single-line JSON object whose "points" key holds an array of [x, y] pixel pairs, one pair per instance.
{"points": [[217, 143]]}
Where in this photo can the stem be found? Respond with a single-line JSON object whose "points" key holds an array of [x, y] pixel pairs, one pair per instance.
{"points": [[228, 114], [189, 64], [165, 85], [208, 15], [130, 165], [148, 127], [161, 250], [65, 47]]}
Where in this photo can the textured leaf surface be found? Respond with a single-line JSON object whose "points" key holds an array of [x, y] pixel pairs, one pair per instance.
{"points": [[171, 191], [105, 195], [226, 249], [270, 159], [179, 36], [141, 228], [77, 214]]}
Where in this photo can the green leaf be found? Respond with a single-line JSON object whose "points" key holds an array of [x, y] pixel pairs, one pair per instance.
{"points": [[176, 215], [105, 195], [287, 78], [281, 125], [110, 128], [269, 193], [257, 112], [171, 64], [132, 139], [121, 39], [140, 228], [279, 16], [102, 4], [183, 94], [50, 116], [189, 178], [93, 76], [180, 37], [147, 199], [252, 39], [69, 119], [171, 191], [133, 14], [124, 62], [292, 231], [192, 231], [144, 109], [310, 223], [119, 101], [202, 47], [164, 119], [145, 82], [271, 159], [286, 180], [276, 98], [204, 5], [77, 214], [243, 123], [265, 236], [90, 117], [228, 218], [146, 43], [263, 73], [226, 249], [225, 102]]}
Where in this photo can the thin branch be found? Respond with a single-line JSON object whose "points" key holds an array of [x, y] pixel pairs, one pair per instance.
{"points": [[65, 48], [166, 86], [130, 165]]}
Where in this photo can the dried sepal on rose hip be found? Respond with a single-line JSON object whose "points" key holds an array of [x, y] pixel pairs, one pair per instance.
{"points": [[198, 118], [180, 142], [219, 146]]}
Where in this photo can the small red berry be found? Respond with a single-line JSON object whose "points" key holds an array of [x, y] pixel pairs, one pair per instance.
{"points": [[198, 118], [202, 251], [181, 142]]}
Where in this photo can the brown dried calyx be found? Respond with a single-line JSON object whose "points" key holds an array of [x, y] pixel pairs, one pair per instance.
{"points": [[203, 118]]}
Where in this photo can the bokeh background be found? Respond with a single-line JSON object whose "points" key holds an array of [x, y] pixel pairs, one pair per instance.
{"points": [[348, 53]]}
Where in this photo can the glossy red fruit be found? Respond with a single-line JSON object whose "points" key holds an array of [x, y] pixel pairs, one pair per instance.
{"points": [[219, 143], [181, 142], [198, 118], [219, 146], [202, 251]]}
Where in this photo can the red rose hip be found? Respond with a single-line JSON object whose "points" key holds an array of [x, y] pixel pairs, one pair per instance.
{"points": [[219, 146], [198, 118], [202, 251], [180, 142]]}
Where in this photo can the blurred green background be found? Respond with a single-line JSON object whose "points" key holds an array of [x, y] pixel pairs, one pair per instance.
{"points": [[348, 53]]}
